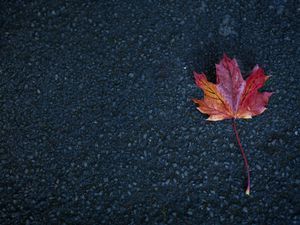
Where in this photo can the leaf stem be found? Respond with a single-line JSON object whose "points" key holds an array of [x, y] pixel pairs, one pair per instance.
{"points": [[244, 157]]}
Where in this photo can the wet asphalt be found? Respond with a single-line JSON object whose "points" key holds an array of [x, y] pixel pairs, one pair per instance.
{"points": [[98, 126]]}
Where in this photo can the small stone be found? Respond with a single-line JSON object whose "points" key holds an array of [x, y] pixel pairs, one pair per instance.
{"points": [[258, 167], [190, 212], [245, 210], [131, 75]]}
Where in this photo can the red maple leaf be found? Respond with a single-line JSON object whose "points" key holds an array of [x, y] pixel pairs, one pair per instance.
{"points": [[232, 97]]}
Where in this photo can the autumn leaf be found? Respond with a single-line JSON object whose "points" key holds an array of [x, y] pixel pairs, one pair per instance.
{"points": [[232, 97]]}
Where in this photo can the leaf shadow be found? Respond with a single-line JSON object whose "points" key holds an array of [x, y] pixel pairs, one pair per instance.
{"points": [[207, 56]]}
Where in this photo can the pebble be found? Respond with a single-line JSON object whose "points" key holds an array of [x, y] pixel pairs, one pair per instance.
{"points": [[258, 167]]}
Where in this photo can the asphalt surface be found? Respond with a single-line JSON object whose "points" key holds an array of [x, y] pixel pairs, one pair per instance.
{"points": [[98, 126]]}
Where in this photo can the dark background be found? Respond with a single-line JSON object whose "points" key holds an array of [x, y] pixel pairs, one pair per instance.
{"points": [[98, 126]]}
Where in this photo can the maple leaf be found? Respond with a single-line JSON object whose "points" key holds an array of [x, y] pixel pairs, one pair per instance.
{"points": [[232, 97]]}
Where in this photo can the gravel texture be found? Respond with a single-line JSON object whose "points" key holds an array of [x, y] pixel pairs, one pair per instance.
{"points": [[98, 126]]}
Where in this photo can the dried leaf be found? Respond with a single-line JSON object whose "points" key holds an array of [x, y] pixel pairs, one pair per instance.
{"points": [[232, 96]]}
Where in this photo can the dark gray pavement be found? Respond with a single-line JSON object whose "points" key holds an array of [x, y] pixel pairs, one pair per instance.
{"points": [[98, 126]]}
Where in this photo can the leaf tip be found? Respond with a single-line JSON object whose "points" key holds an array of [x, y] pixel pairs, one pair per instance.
{"points": [[195, 100], [268, 77], [225, 55]]}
